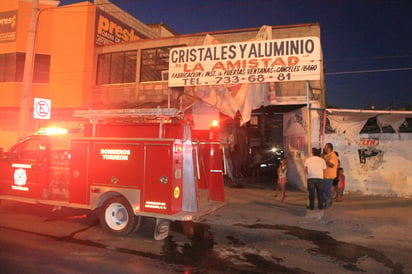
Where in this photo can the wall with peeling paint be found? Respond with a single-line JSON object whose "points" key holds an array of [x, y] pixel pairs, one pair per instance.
{"points": [[384, 169], [374, 163]]}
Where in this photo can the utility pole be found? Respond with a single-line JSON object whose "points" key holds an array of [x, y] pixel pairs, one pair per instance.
{"points": [[26, 96]]}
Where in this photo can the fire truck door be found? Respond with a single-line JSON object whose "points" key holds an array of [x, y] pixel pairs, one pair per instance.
{"points": [[79, 186], [24, 169], [157, 192]]}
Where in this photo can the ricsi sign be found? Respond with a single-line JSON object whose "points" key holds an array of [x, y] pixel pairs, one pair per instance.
{"points": [[293, 59]]}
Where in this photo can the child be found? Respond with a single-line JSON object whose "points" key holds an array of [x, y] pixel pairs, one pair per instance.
{"points": [[341, 185], [282, 169]]}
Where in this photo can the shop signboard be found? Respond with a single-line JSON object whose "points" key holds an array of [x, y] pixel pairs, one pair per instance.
{"points": [[8, 26], [110, 30], [279, 60]]}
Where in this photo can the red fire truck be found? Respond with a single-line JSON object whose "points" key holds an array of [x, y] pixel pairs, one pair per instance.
{"points": [[126, 168]]}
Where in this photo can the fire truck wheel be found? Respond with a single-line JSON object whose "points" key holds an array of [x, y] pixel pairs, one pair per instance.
{"points": [[117, 216], [161, 230]]}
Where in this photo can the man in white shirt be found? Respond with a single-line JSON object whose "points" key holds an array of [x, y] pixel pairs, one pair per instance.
{"points": [[314, 168]]}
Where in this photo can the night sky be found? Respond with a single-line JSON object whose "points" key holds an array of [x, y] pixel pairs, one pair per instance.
{"points": [[367, 44]]}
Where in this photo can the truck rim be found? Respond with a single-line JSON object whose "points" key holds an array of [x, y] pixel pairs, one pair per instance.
{"points": [[116, 216]]}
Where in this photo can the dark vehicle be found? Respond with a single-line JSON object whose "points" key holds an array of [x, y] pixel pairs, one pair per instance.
{"points": [[265, 159]]}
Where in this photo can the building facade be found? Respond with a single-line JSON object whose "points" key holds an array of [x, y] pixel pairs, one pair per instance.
{"points": [[66, 38], [97, 56]]}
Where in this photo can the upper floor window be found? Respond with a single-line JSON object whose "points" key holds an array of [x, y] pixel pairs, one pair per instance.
{"points": [[41, 68], [154, 64], [116, 67], [8, 68], [12, 67]]}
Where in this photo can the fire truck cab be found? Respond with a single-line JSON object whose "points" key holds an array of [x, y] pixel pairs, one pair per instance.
{"points": [[124, 170]]}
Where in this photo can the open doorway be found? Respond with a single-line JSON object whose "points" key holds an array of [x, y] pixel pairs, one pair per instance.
{"points": [[261, 140]]}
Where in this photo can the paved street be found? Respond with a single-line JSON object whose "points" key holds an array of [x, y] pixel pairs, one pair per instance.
{"points": [[253, 233]]}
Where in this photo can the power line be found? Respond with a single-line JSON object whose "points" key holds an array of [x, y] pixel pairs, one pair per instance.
{"points": [[366, 71]]}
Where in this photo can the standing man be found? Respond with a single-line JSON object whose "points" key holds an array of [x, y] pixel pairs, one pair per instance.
{"points": [[314, 168], [331, 172]]}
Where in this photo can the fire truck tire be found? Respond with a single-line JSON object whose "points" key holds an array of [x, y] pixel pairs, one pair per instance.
{"points": [[161, 230], [117, 217]]}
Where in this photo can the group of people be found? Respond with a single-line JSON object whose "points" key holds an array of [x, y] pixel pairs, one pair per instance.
{"points": [[325, 178]]}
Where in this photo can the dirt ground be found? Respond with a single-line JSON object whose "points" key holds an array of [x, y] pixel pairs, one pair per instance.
{"points": [[361, 226]]}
